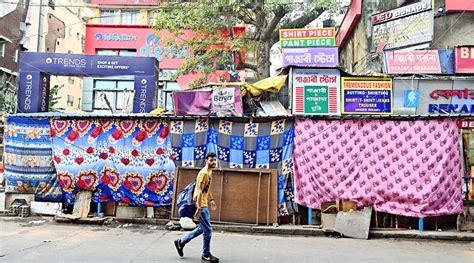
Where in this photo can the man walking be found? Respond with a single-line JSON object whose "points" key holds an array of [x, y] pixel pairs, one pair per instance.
{"points": [[202, 196]]}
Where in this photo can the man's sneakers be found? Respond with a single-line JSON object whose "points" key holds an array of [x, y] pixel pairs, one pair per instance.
{"points": [[179, 246], [210, 258]]}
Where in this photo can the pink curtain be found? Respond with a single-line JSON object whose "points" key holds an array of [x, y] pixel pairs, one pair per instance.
{"points": [[409, 168]]}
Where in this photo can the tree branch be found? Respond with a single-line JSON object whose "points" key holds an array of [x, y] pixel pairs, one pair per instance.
{"points": [[242, 64], [246, 19], [300, 22], [280, 12]]}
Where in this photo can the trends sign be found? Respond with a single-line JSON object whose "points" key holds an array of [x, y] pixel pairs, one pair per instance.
{"points": [[35, 68]]}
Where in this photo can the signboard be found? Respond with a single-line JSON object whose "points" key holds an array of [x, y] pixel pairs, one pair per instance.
{"points": [[406, 26], [464, 59], [466, 124], [316, 91], [223, 101], [400, 12], [412, 62], [461, 101], [315, 56], [366, 95], [459, 5], [307, 37], [33, 92], [146, 41]]}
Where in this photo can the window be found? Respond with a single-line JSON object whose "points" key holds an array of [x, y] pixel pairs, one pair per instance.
{"points": [[151, 17], [115, 92], [119, 52], [2, 48], [106, 52], [15, 58], [70, 100], [130, 17], [128, 53], [108, 17]]}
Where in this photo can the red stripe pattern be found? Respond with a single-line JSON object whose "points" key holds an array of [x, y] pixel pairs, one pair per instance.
{"points": [[299, 99]]}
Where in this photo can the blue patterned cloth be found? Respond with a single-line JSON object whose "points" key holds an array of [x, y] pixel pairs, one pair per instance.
{"points": [[189, 139], [28, 159], [267, 145]]}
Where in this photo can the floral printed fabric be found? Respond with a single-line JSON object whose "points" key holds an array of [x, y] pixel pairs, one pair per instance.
{"points": [[124, 160], [28, 159], [409, 168]]}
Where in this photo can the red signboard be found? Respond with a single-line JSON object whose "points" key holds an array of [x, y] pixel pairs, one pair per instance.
{"points": [[348, 23], [124, 2], [464, 59], [459, 5], [145, 41], [412, 62], [466, 124]]}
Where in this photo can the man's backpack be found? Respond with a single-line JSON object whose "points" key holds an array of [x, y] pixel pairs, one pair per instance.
{"points": [[186, 205]]}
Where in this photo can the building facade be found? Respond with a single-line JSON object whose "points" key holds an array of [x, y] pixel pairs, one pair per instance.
{"points": [[40, 26], [431, 24]]}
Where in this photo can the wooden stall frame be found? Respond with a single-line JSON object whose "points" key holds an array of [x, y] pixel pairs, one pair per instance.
{"points": [[222, 172]]}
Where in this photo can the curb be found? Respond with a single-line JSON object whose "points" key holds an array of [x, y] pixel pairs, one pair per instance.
{"points": [[280, 230], [428, 235]]}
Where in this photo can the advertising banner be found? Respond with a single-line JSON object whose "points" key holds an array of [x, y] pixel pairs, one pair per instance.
{"points": [[316, 56], [308, 37], [401, 27], [316, 91], [29, 95], [35, 68], [464, 59], [86, 65], [412, 62], [366, 95], [143, 98], [217, 102]]}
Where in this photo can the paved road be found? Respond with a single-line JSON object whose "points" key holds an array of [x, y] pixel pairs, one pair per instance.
{"points": [[52, 242]]}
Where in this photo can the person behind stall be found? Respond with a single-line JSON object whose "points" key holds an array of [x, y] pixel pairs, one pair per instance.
{"points": [[202, 196]]}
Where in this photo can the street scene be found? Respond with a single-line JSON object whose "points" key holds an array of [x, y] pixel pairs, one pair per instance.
{"points": [[80, 243], [236, 131]]}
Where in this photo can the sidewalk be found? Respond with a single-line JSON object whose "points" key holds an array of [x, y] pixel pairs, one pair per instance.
{"points": [[286, 230]]}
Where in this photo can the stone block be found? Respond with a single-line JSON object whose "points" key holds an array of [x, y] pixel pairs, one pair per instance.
{"points": [[131, 212]]}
